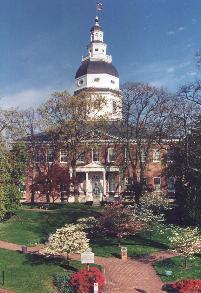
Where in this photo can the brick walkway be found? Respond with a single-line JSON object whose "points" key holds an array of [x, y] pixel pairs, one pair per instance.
{"points": [[131, 276]]}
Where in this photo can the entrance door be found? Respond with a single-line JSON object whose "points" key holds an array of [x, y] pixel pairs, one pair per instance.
{"points": [[96, 180]]}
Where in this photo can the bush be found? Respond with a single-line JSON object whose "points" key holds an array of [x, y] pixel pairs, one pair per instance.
{"points": [[62, 284], [187, 286], [83, 281]]}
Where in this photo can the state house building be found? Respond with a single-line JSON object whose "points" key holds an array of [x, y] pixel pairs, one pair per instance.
{"points": [[99, 171]]}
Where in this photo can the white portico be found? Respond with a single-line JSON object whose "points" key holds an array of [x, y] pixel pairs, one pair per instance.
{"points": [[98, 181]]}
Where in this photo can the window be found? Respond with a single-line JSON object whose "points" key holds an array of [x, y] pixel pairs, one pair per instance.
{"points": [[111, 155], [145, 182], [127, 154], [80, 82], [95, 155], [170, 184], [112, 81], [50, 155], [103, 51], [114, 107], [157, 183], [169, 155], [96, 49], [143, 155], [156, 155], [97, 79], [81, 158], [37, 155], [63, 155], [112, 183]]}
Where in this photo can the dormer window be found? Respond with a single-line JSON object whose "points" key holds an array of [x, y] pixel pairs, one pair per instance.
{"points": [[80, 82]]}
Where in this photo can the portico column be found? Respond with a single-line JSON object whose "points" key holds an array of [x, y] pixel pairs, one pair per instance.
{"points": [[87, 180], [119, 190], [104, 183]]}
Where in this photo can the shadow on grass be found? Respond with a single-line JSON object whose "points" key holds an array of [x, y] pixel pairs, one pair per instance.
{"points": [[36, 259]]}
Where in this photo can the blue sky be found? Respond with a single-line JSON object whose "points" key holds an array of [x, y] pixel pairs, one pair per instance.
{"points": [[42, 42]]}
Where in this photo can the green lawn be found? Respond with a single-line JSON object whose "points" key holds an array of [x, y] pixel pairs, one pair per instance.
{"points": [[28, 227], [31, 274], [175, 264]]}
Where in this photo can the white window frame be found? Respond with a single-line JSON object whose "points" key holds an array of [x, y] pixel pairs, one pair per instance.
{"points": [[81, 158], [143, 155], [108, 155], [62, 155], [157, 158], [93, 155], [157, 187]]}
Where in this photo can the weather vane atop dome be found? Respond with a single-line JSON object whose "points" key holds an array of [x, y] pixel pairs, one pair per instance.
{"points": [[99, 6]]}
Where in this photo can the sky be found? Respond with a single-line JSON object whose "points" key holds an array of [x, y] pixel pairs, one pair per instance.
{"points": [[42, 42]]}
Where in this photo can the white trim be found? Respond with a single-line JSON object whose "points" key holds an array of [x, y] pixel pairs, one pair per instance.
{"points": [[156, 160], [157, 185], [93, 155], [108, 156]]}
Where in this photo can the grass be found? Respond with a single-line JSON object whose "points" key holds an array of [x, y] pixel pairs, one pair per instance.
{"points": [[29, 273], [175, 264], [138, 245], [28, 227]]}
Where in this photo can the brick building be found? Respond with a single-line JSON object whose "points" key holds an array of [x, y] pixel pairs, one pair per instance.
{"points": [[101, 172]]}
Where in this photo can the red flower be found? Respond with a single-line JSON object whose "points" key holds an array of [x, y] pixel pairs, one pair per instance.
{"points": [[187, 286], [83, 281]]}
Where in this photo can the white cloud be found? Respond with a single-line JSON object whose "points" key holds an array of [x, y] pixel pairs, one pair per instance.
{"points": [[171, 33], [25, 98], [171, 69], [181, 28]]}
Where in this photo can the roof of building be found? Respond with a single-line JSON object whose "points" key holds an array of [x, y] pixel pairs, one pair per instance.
{"points": [[96, 28], [94, 67]]}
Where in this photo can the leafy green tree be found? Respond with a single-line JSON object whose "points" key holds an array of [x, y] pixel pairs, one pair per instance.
{"points": [[186, 168], [12, 177]]}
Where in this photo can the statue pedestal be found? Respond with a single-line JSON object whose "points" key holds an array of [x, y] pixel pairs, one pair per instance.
{"points": [[96, 200]]}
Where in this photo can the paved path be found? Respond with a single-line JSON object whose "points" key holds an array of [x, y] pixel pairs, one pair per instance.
{"points": [[132, 276]]}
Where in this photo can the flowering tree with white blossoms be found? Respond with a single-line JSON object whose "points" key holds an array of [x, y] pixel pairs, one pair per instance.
{"points": [[185, 241], [68, 239], [89, 225]]}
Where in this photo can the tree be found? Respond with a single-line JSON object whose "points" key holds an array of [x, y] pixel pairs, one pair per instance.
{"points": [[119, 221], [12, 165], [186, 242], [12, 176], [71, 121], [147, 122], [186, 168], [68, 239]]}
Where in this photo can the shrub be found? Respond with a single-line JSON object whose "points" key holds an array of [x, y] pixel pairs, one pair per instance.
{"points": [[68, 239], [62, 284], [185, 241], [187, 286], [83, 281]]}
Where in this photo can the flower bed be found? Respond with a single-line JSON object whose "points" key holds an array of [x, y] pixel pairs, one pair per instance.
{"points": [[187, 286], [83, 281]]}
